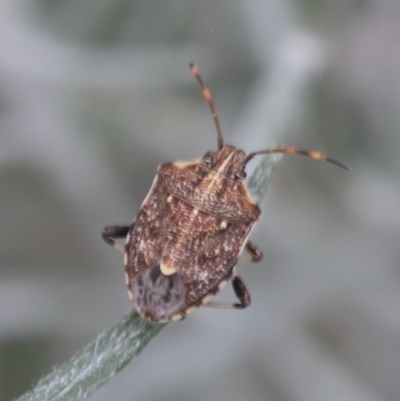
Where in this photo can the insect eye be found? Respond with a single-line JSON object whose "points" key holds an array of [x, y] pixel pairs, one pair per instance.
{"points": [[207, 159], [241, 175]]}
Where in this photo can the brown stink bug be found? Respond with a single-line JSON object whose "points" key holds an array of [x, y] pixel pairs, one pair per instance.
{"points": [[190, 230]]}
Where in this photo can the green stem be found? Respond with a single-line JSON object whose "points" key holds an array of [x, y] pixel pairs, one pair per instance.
{"points": [[96, 363], [260, 179]]}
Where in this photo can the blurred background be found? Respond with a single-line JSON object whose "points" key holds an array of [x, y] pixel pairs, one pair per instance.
{"points": [[94, 94]]}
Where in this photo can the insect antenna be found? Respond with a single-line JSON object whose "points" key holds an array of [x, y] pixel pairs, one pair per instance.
{"points": [[208, 96], [309, 153]]}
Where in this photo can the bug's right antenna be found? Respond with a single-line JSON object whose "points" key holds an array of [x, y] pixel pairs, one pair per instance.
{"points": [[313, 154], [209, 100]]}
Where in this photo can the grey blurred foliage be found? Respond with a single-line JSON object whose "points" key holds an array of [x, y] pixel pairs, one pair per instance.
{"points": [[94, 94]]}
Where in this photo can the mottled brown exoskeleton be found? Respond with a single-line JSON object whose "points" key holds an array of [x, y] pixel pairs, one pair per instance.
{"points": [[190, 230]]}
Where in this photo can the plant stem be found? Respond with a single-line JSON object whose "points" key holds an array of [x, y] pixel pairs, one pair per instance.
{"points": [[96, 363]]}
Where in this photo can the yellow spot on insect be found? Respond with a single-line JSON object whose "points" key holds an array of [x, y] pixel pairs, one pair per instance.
{"points": [[174, 318], [126, 278], [167, 270], [221, 285], [130, 295], [169, 199], [223, 225], [190, 310], [206, 299], [125, 259]]}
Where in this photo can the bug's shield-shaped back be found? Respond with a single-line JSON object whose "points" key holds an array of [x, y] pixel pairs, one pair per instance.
{"points": [[195, 248]]}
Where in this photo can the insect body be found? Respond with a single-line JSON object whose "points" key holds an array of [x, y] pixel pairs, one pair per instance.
{"points": [[190, 230]]}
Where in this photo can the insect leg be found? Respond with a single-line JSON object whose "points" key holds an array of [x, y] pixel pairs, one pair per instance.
{"points": [[241, 293], [255, 253], [110, 232]]}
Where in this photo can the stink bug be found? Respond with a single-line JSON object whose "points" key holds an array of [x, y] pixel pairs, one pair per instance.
{"points": [[190, 230]]}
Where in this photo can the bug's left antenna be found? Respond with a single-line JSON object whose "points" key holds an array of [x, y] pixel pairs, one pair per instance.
{"points": [[207, 95]]}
